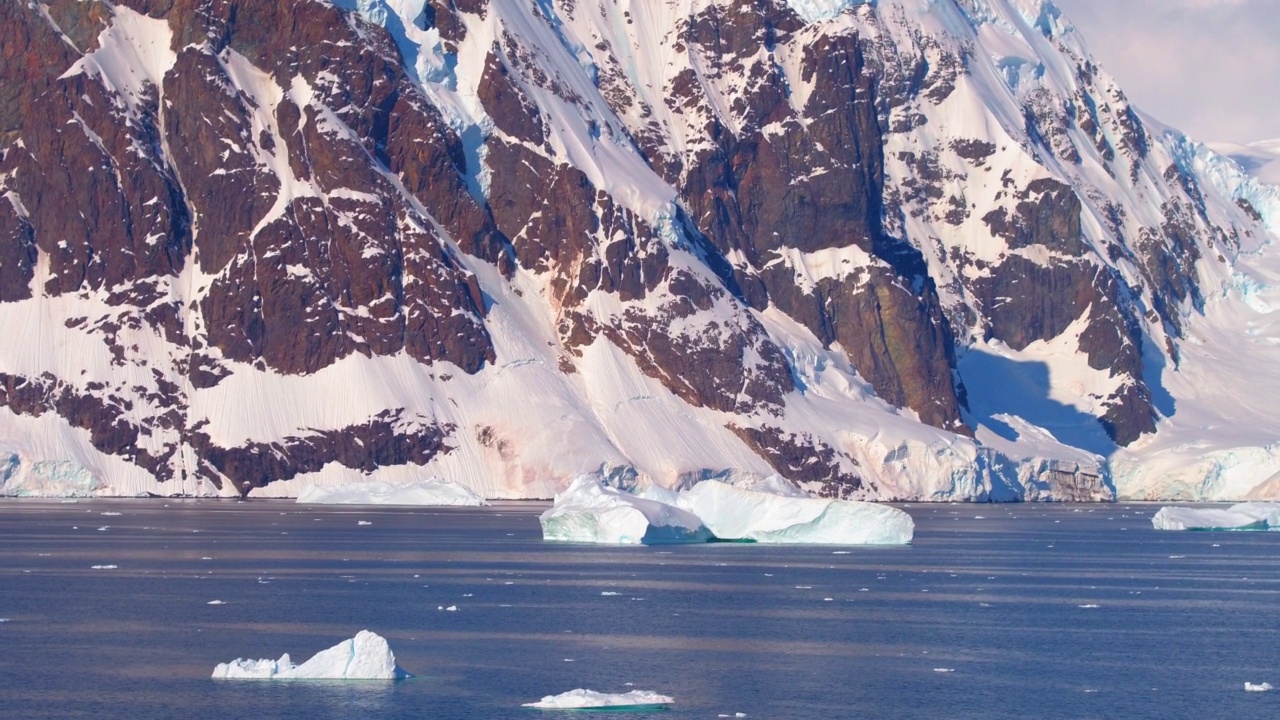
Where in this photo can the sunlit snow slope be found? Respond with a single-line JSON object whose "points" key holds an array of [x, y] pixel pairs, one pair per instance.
{"points": [[894, 250]]}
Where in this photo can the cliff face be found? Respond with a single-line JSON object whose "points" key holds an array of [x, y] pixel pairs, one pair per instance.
{"points": [[249, 245]]}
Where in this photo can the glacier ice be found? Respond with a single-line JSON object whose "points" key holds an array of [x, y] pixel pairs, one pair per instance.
{"points": [[22, 477], [590, 511], [364, 657], [580, 698], [430, 492], [818, 10], [1244, 516], [734, 513]]}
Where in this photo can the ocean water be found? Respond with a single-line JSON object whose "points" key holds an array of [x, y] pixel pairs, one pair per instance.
{"points": [[1006, 611]]}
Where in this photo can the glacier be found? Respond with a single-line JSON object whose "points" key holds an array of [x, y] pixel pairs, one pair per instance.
{"points": [[367, 656], [591, 512], [22, 477], [433, 492], [1243, 516], [581, 699]]}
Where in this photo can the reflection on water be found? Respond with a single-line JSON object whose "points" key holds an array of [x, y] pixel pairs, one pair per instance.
{"points": [[994, 612]]}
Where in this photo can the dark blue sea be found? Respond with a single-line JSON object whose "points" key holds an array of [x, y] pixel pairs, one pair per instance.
{"points": [[1005, 611]]}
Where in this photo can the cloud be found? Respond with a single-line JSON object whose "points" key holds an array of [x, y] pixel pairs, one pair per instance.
{"points": [[1209, 67]]}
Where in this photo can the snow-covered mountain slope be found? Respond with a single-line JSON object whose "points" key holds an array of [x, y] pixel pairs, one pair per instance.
{"points": [[902, 249], [1259, 159]]}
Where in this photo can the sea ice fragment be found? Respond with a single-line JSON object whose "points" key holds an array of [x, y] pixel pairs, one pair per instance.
{"points": [[580, 698]]}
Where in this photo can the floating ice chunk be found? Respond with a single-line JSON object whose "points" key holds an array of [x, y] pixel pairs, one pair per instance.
{"points": [[430, 492], [591, 512], [733, 513], [1250, 687], [364, 657], [215, 602], [364, 522], [1245, 516], [104, 567], [579, 699]]}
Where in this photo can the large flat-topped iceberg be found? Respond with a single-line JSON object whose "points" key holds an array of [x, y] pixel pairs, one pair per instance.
{"points": [[734, 513], [364, 657], [587, 699], [432, 492], [592, 512], [1245, 516]]}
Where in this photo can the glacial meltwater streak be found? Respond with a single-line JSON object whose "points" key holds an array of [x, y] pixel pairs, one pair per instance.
{"points": [[1004, 611]]}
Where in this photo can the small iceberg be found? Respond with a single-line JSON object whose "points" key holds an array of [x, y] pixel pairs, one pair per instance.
{"points": [[590, 699], [776, 512], [364, 657], [1245, 516], [433, 492], [591, 512], [735, 513], [1263, 687]]}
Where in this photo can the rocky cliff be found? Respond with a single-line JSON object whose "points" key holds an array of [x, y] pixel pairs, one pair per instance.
{"points": [[891, 250]]}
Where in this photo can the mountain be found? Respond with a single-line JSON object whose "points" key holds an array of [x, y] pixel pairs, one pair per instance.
{"points": [[895, 250]]}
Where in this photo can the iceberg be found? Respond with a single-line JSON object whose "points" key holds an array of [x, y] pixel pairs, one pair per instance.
{"points": [[585, 699], [1263, 687], [1244, 516], [431, 492], [735, 513], [591, 512], [364, 657]]}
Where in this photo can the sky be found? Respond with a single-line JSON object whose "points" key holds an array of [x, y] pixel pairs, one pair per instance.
{"points": [[1210, 68]]}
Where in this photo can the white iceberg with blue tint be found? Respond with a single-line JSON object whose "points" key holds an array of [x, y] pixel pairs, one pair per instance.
{"points": [[735, 513], [432, 492], [592, 512], [364, 657], [20, 476], [586, 699], [1245, 516]]}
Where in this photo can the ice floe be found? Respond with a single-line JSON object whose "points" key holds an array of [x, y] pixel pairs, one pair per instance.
{"points": [[1263, 687], [364, 657], [589, 511], [431, 492], [1244, 516], [580, 699]]}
